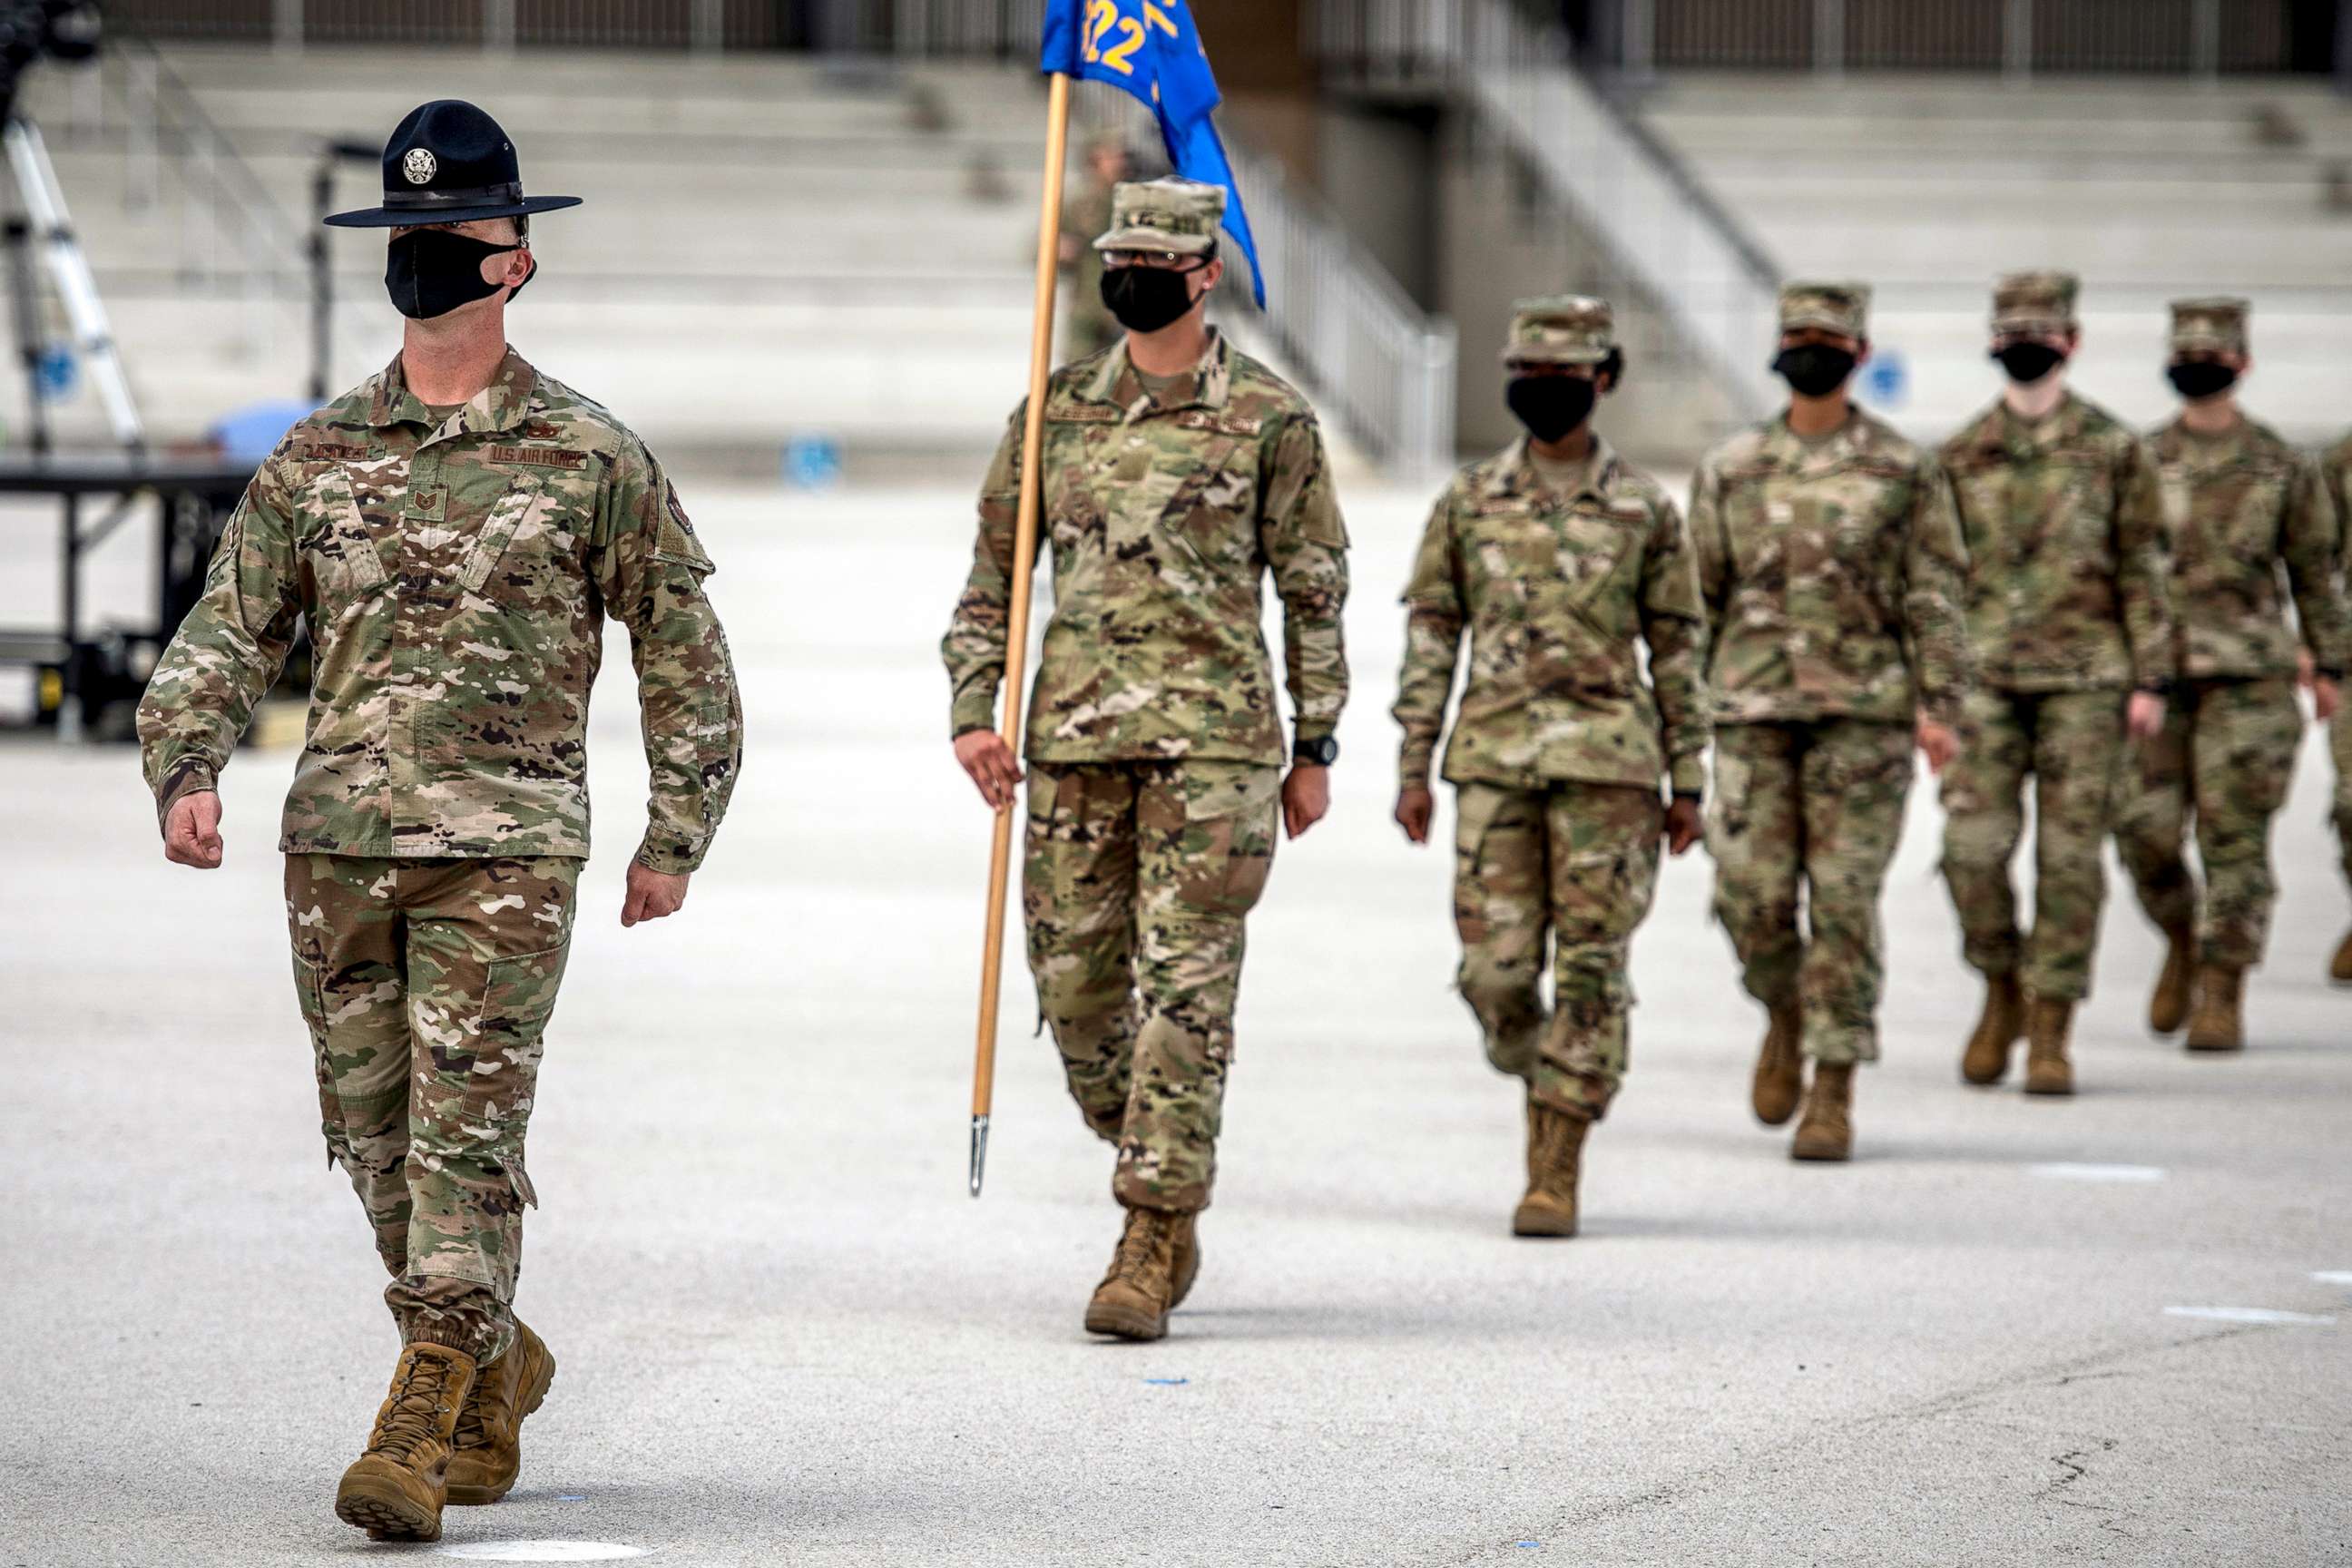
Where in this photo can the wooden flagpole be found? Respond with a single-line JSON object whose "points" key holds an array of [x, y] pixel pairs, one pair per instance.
{"points": [[1016, 635]]}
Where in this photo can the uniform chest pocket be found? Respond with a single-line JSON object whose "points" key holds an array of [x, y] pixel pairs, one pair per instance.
{"points": [[1756, 516], [2083, 483], [1195, 499], [524, 553], [337, 548]]}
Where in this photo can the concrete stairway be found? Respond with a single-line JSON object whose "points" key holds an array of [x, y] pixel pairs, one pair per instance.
{"points": [[767, 247], [1929, 186]]}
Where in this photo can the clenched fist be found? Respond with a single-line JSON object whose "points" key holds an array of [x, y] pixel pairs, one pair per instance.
{"points": [[191, 831]]}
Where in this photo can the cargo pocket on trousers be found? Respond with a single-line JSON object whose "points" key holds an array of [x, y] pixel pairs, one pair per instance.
{"points": [[1727, 814], [518, 1000], [1231, 816]]}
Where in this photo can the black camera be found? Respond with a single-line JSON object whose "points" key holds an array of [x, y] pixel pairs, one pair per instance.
{"points": [[66, 31]]}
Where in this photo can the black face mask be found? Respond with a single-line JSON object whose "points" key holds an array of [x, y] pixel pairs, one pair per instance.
{"points": [[1815, 369], [2028, 363], [432, 272], [1146, 299], [1551, 405], [2196, 379]]}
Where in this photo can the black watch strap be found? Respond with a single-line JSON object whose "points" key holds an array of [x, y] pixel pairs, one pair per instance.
{"points": [[1320, 752]]}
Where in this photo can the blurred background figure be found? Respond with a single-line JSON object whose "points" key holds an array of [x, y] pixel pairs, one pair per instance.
{"points": [[1087, 326]]}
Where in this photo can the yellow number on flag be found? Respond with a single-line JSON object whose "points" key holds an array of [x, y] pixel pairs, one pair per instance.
{"points": [[1100, 15], [1120, 56]]}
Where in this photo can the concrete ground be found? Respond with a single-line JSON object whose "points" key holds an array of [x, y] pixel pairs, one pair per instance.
{"points": [[2112, 1329]]}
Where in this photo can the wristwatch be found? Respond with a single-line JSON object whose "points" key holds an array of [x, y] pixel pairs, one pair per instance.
{"points": [[1320, 753]]}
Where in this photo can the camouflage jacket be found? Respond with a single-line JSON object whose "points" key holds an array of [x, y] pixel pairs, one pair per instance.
{"points": [[1832, 576], [1163, 519], [2335, 468], [455, 581], [2241, 507], [1557, 592], [2067, 551]]}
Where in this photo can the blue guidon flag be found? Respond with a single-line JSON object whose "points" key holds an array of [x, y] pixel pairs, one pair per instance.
{"points": [[1150, 49]]}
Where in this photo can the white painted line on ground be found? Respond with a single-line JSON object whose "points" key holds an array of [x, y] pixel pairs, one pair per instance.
{"points": [[2333, 1276], [540, 1552], [2065, 1171], [2250, 1315]]}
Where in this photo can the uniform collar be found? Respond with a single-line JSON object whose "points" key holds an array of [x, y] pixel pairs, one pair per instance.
{"points": [[495, 410], [1794, 451], [1516, 473], [1207, 385], [2006, 432]]}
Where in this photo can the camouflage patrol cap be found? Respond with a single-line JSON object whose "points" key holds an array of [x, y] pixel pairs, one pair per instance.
{"points": [[2210, 326], [1562, 329], [1170, 213], [2035, 303], [1836, 306]]}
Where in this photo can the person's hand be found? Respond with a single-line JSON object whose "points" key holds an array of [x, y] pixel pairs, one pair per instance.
{"points": [[2144, 716], [1414, 807], [991, 764], [1684, 825], [653, 894], [1305, 796], [1940, 744], [191, 831], [2325, 697]]}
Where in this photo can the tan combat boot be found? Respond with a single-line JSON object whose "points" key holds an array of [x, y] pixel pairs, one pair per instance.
{"points": [[1135, 1298], [2167, 1009], [2340, 971], [489, 1428], [394, 1490], [1555, 1155], [2048, 1036], [1188, 1262], [2218, 1025], [1987, 1057], [1781, 1066], [1827, 1130]]}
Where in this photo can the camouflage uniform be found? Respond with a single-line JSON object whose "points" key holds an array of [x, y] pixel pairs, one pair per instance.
{"points": [[1562, 744], [2337, 469], [1088, 328], [1832, 576], [2067, 610], [1152, 732], [2240, 506], [455, 574]]}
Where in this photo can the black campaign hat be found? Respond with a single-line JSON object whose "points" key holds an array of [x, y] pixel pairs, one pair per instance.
{"points": [[449, 163]]}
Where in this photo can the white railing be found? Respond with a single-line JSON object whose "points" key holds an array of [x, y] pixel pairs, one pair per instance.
{"points": [[1664, 231], [1372, 356]]}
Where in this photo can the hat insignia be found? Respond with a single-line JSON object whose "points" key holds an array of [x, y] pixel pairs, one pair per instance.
{"points": [[418, 166]]}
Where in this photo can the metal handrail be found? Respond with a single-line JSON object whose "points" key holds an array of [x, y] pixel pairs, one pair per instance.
{"points": [[1630, 192]]}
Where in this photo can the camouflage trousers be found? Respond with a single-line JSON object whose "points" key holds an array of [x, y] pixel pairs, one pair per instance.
{"points": [[2226, 754], [1810, 812], [1576, 864], [1138, 878], [2072, 743], [428, 984]]}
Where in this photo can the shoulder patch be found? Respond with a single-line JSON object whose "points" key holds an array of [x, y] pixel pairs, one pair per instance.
{"points": [[541, 456]]}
